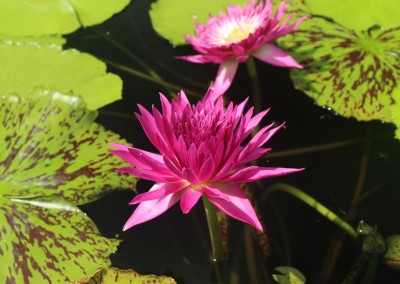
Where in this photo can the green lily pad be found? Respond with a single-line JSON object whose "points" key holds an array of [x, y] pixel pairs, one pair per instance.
{"points": [[52, 41], [47, 240], [27, 67], [174, 19], [114, 276], [358, 14], [355, 73], [38, 18], [52, 147], [289, 275]]}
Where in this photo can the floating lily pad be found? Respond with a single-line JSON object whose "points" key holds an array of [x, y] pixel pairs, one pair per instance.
{"points": [[355, 73], [27, 67], [52, 147], [114, 276], [47, 240], [52, 41], [358, 14], [289, 275], [38, 18], [174, 19]]}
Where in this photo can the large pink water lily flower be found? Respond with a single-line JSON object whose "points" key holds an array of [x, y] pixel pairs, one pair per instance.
{"points": [[243, 31], [202, 152]]}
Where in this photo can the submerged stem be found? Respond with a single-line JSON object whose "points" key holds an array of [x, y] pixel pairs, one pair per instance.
{"points": [[316, 205], [252, 70]]}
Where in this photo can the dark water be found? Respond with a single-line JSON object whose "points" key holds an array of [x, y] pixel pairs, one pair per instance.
{"points": [[176, 244]]}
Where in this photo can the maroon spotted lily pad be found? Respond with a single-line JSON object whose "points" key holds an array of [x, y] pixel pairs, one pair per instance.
{"points": [[53, 157], [52, 147], [115, 276], [356, 74], [47, 240]]}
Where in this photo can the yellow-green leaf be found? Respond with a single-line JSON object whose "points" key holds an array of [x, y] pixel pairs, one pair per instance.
{"points": [[39, 18], [25, 68], [289, 275]]}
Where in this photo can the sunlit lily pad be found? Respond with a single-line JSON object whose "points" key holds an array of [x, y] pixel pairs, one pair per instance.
{"points": [[173, 19], [355, 73], [52, 147], [52, 41], [46, 240], [358, 14], [27, 67], [115, 276], [38, 18]]}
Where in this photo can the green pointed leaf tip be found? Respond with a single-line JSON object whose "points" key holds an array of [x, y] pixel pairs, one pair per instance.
{"points": [[52, 147], [358, 14], [27, 67], [355, 74], [174, 19], [38, 18], [115, 276], [47, 240], [289, 275]]}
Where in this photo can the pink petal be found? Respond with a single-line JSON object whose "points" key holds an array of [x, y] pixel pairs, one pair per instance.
{"points": [[148, 210], [159, 190], [236, 205], [254, 173], [273, 55], [150, 175], [224, 78], [189, 199]]}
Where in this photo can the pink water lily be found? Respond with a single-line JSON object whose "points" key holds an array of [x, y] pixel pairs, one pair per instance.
{"points": [[202, 152], [242, 32]]}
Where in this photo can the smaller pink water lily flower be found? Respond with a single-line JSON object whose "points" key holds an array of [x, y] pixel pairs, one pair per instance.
{"points": [[202, 152], [244, 31]]}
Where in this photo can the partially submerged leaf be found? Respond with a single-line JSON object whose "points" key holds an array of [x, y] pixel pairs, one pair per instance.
{"points": [[114, 276], [38, 18], [358, 14], [355, 73], [289, 275], [25, 68], [47, 240], [52, 147], [174, 19]]}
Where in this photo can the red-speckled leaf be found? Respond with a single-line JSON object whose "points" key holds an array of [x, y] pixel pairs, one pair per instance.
{"points": [[50, 146], [115, 276], [47, 240], [354, 73]]}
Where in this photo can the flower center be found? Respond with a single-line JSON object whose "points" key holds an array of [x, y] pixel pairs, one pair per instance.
{"points": [[235, 28], [198, 127]]}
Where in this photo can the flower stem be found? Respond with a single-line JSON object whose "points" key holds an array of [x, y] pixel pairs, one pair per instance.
{"points": [[213, 227], [217, 251], [251, 69], [314, 204]]}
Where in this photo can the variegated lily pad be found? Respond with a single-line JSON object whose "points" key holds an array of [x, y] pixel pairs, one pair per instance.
{"points": [[38, 18], [27, 67], [115, 276], [355, 73], [174, 19], [46, 240], [52, 147]]}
